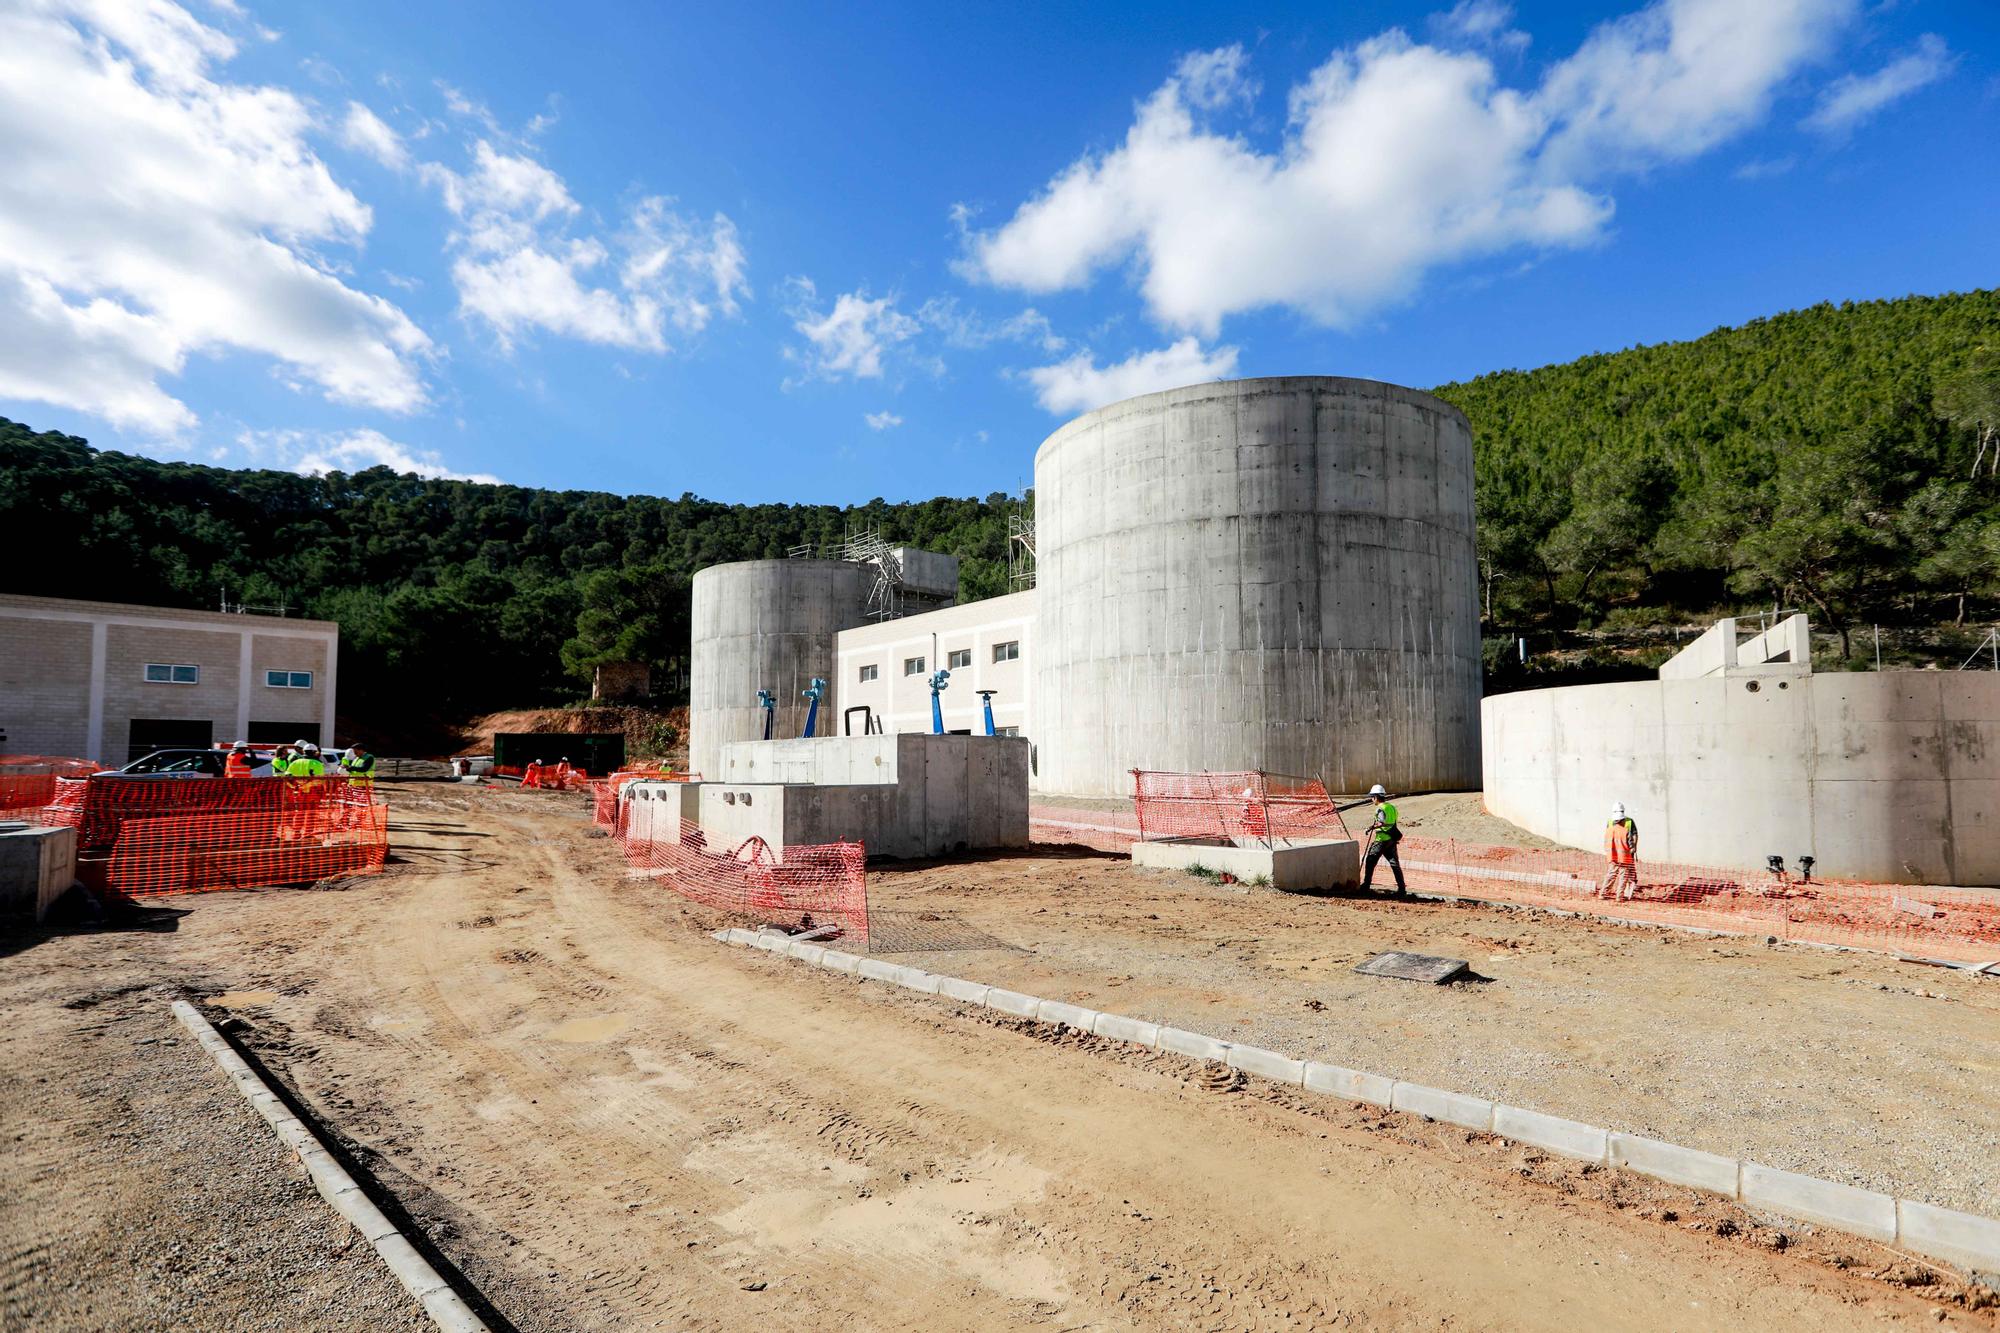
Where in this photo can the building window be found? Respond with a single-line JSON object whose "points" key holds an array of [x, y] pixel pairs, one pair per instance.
{"points": [[959, 657], [289, 680], [869, 672], [165, 673], [1006, 731], [1008, 651], [913, 666]]}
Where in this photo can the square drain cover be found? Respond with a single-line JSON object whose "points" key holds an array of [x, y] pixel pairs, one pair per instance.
{"points": [[1414, 967]]}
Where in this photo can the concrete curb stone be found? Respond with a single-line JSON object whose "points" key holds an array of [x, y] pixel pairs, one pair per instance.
{"points": [[1121, 1028], [877, 970], [956, 988], [1011, 1002], [1965, 1239], [1350, 1083], [1268, 1064], [1674, 1164], [1863, 1212], [1193, 1044], [1565, 1138], [1435, 1103], [1055, 1011], [833, 960], [916, 979]]}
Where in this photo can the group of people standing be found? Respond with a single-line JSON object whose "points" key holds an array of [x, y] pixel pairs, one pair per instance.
{"points": [[302, 759]]}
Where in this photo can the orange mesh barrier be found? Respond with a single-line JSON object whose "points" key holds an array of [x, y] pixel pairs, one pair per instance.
{"points": [[28, 781], [813, 886], [1958, 924], [65, 807], [1266, 807], [107, 802], [1106, 830], [315, 832], [604, 791]]}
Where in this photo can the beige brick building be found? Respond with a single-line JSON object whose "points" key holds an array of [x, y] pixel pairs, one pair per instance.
{"points": [[110, 682]]}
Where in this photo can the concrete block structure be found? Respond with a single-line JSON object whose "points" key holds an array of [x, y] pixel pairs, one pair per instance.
{"points": [[110, 682], [1297, 867], [37, 866], [1740, 752], [910, 795], [1269, 573]]}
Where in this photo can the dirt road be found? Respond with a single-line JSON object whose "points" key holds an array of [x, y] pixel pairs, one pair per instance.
{"points": [[606, 1120]]}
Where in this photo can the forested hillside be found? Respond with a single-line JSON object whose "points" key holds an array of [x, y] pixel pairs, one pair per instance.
{"points": [[1844, 459]]}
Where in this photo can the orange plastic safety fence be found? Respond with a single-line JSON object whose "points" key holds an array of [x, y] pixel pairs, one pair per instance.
{"points": [[604, 791], [1105, 830], [826, 885], [28, 781], [1957, 924], [1266, 807], [315, 833]]}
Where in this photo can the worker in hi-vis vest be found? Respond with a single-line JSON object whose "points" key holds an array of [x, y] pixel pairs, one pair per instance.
{"points": [[1621, 847], [239, 762], [1381, 838], [359, 766]]}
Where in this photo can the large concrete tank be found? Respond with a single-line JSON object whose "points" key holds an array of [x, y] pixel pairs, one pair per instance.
{"points": [[1270, 573], [765, 625]]}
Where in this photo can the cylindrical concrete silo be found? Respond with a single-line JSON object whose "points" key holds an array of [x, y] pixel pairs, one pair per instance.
{"points": [[1270, 573], [765, 625]]}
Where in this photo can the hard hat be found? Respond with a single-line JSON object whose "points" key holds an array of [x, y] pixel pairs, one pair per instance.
{"points": [[240, 745], [302, 745], [310, 748], [1618, 809], [1378, 790]]}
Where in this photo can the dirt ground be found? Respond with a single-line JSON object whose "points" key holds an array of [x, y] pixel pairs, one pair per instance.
{"points": [[604, 1119]]}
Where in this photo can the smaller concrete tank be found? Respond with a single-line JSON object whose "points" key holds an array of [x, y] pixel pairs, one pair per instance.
{"points": [[765, 625]]}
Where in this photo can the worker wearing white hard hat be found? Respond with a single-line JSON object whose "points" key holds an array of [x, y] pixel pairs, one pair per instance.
{"points": [[1381, 839], [1621, 851]]}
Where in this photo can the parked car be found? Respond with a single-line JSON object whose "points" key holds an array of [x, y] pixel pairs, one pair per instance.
{"points": [[188, 763]]}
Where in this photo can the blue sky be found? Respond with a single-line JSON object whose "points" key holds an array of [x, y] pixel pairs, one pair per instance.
{"points": [[790, 253]]}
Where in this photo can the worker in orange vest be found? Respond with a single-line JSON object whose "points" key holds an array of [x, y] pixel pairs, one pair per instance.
{"points": [[1621, 847], [532, 775], [238, 763], [563, 774]]}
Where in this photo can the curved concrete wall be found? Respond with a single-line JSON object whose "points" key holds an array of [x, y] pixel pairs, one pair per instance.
{"points": [[1891, 776], [1272, 573], [765, 625]]}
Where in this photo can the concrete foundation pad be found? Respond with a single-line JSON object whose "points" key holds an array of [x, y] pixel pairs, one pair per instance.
{"points": [[1298, 867]]}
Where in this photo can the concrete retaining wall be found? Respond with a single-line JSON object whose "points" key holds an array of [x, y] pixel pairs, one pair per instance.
{"points": [[1294, 867], [1891, 776], [1264, 573]]}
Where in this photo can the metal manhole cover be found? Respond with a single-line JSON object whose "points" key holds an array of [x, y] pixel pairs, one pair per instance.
{"points": [[922, 932], [1413, 967]]}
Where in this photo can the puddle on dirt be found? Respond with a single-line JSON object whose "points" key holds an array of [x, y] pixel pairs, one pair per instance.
{"points": [[246, 999], [583, 1030]]}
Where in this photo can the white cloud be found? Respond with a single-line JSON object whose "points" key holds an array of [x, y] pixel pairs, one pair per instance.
{"points": [[850, 339], [518, 268], [1478, 23], [366, 132], [1397, 158], [150, 211], [1079, 384], [315, 453], [882, 420], [969, 329], [1853, 98]]}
